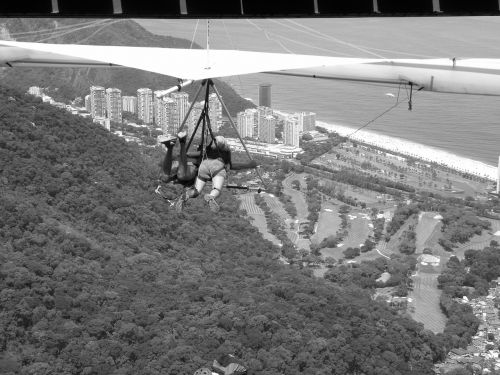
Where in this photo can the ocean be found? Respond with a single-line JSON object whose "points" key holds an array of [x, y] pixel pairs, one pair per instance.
{"points": [[464, 125]]}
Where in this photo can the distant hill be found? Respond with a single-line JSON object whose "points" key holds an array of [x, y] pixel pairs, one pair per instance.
{"points": [[99, 276], [68, 83]]}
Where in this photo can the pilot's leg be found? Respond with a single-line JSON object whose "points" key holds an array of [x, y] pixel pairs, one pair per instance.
{"points": [[166, 165]]}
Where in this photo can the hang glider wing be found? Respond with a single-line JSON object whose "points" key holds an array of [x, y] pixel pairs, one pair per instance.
{"points": [[460, 76], [465, 76], [193, 64]]}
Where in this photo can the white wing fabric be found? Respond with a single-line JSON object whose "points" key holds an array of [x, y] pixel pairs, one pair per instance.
{"points": [[465, 76], [192, 64], [459, 76]]}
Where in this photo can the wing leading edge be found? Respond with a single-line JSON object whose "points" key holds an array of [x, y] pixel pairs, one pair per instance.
{"points": [[194, 64], [465, 76]]}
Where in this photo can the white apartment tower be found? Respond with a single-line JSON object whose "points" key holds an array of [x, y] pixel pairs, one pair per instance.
{"points": [[97, 102], [35, 90], [145, 105], [194, 116], [267, 129], [307, 121], [245, 122], [291, 131], [167, 108], [215, 112], [181, 108], [114, 104], [157, 109], [129, 104], [262, 112]]}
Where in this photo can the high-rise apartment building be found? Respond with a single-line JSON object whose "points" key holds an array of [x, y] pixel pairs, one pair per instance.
{"points": [[291, 131], [246, 122], [181, 108], [104, 122], [97, 102], [145, 105], [114, 104], [88, 106], [194, 116], [267, 129], [157, 108], [262, 112], [129, 104], [215, 112], [35, 90], [265, 95], [307, 121], [167, 108]]}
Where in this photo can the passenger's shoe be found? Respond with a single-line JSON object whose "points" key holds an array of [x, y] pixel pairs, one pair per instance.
{"points": [[166, 139], [182, 136], [181, 202], [212, 203]]}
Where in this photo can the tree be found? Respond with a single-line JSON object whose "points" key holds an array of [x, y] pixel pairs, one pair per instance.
{"points": [[351, 252]]}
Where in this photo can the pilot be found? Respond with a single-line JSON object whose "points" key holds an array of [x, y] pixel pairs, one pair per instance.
{"points": [[214, 167]]}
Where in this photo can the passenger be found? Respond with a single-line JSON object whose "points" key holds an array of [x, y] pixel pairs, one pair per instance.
{"points": [[204, 371], [227, 364], [183, 171], [214, 167]]}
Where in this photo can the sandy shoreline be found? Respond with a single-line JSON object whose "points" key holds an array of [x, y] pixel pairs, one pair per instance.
{"points": [[416, 150]]}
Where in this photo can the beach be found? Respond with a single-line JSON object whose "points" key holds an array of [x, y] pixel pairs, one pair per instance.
{"points": [[416, 150]]}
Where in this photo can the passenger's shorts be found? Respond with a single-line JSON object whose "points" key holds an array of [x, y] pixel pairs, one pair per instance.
{"points": [[210, 168]]}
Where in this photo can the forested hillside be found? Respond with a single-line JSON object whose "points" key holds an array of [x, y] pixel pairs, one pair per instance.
{"points": [[67, 83], [99, 276]]}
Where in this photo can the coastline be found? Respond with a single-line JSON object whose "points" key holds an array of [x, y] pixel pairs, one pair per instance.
{"points": [[416, 150]]}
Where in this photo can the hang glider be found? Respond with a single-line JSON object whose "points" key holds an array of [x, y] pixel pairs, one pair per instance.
{"points": [[463, 76]]}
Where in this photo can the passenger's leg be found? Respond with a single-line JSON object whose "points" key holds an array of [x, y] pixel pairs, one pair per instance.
{"points": [[199, 185], [167, 160], [188, 193], [217, 183], [182, 172]]}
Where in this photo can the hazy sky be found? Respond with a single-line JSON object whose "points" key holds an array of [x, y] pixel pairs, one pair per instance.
{"points": [[363, 37]]}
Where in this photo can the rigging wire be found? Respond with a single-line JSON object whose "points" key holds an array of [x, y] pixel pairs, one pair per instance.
{"points": [[306, 45], [328, 37], [194, 34], [65, 32], [357, 46], [61, 28], [398, 102], [208, 44], [57, 33], [267, 36], [99, 29], [375, 118], [242, 90]]}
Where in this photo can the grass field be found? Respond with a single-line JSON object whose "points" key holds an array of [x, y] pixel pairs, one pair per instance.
{"points": [[393, 244], [358, 233], [328, 222], [425, 297], [297, 196], [424, 230], [257, 215]]}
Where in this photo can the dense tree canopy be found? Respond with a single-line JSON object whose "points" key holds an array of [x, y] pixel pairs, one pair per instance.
{"points": [[99, 276]]}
